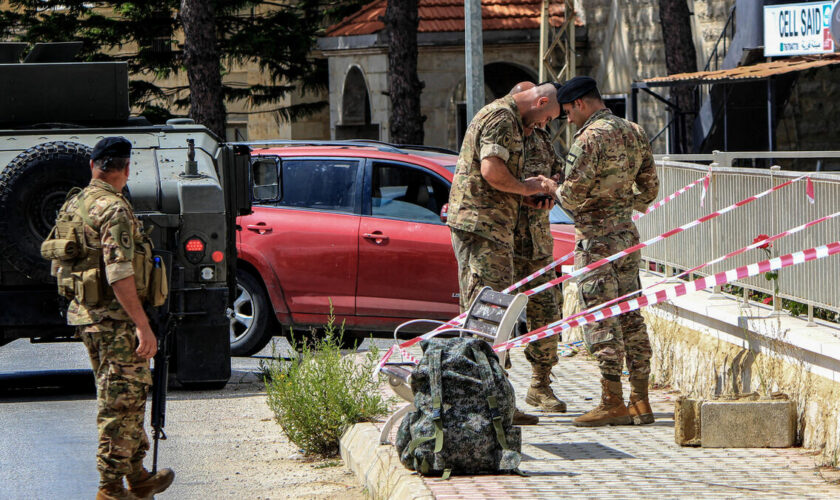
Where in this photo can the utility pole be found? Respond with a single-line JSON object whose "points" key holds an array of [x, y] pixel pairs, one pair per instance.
{"points": [[474, 57]]}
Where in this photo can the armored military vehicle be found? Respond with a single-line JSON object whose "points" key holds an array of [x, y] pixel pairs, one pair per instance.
{"points": [[184, 181]]}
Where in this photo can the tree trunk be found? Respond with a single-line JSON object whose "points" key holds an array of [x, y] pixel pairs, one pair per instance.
{"points": [[401, 24], [680, 57], [201, 58]]}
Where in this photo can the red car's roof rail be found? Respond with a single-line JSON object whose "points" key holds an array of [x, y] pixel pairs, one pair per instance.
{"points": [[357, 143]]}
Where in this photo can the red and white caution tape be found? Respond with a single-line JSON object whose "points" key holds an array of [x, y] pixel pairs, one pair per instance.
{"points": [[671, 197], [406, 356], [656, 239], [384, 359], [458, 321], [752, 246], [677, 291]]}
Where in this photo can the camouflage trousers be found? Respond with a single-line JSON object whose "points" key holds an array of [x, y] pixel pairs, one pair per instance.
{"points": [[543, 309], [122, 384], [481, 262], [614, 340]]}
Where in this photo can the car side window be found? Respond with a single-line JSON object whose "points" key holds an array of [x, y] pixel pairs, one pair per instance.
{"points": [[323, 184], [407, 193]]}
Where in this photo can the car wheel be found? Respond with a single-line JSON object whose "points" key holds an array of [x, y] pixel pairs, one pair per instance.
{"points": [[250, 316]]}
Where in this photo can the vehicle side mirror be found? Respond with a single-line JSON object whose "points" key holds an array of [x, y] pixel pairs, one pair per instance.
{"points": [[266, 179], [444, 212]]}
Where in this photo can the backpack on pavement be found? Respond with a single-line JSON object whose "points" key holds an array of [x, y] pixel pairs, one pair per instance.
{"points": [[465, 404]]}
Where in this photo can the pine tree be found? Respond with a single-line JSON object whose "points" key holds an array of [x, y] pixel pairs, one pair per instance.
{"points": [[278, 37]]}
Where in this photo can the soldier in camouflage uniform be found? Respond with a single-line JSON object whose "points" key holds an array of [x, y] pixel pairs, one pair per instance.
{"points": [[115, 328], [609, 172], [486, 191], [532, 250]]}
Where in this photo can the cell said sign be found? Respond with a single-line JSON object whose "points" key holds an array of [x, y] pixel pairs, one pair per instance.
{"points": [[798, 29]]}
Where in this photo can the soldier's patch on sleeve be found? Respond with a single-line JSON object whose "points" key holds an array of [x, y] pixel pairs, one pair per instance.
{"points": [[572, 158], [125, 239]]}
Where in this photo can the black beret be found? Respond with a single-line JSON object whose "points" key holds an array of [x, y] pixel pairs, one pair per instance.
{"points": [[111, 147], [576, 88]]}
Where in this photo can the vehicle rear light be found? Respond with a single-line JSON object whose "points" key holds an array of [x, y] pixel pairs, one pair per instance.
{"points": [[217, 256], [194, 249]]}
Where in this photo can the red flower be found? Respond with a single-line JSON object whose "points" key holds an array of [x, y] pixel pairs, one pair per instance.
{"points": [[762, 237], [767, 300]]}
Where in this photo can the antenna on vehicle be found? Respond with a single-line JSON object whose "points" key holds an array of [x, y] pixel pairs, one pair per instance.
{"points": [[192, 166]]}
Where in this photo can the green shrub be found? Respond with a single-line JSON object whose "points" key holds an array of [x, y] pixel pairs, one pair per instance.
{"points": [[317, 395]]}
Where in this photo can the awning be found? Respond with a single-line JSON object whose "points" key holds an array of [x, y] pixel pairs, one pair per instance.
{"points": [[754, 72]]}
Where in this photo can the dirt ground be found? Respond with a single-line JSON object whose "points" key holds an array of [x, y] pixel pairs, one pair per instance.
{"points": [[229, 446]]}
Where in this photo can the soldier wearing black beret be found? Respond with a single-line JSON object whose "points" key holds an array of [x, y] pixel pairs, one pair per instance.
{"points": [[609, 173], [111, 321], [108, 149]]}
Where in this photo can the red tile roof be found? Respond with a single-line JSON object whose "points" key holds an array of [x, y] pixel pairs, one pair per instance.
{"points": [[448, 15]]}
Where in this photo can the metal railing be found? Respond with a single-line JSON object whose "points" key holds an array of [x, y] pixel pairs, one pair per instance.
{"points": [[813, 284]]}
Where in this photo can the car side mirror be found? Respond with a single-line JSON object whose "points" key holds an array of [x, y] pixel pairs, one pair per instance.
{"points": [[444, 212]]}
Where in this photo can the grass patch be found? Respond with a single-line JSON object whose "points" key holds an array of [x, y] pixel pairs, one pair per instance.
{"points": [[321, 392]]}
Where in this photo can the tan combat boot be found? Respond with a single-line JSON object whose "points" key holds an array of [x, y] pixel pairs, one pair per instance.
{"points": [[148, 484], [611, 411], [522, 418], [639, 407], [540, 393], [114, 491]]}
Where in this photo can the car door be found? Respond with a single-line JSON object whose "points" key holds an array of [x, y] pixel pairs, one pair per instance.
{"points": [[307, 229], [407, 268]]}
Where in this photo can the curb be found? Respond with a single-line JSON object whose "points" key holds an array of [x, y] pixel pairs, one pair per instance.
{"points": [[378, 467]]}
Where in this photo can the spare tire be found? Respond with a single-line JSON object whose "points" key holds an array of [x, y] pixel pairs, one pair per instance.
{"points": [[32, 189]]}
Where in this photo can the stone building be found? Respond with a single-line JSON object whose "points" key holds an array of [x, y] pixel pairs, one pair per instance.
{"points": [[357, 51], [618, 42]]}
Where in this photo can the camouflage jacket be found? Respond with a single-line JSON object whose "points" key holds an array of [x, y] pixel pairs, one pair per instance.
{"points": [[114, 230], [474, 205], [609, 172], [532, 236]]}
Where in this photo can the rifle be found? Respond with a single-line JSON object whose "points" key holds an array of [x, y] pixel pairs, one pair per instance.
{"points": [[164, 323]]}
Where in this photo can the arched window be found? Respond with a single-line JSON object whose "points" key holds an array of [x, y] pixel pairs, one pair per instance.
{"points": [[355, 109]]}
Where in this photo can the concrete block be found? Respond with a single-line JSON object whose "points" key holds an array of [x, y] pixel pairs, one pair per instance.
{"points": [[687, 421], [767, 423]]}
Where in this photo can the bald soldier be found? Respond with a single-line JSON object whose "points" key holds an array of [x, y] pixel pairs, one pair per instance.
{"points": [[533, 249], [487, 191], [609, 172]]}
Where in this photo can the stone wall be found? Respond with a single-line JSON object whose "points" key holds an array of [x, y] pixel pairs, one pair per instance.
{"points": [[702, 365], [807, 123], [634, 49], [373, 64]]}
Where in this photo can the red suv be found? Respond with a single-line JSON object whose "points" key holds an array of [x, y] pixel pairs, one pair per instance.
{"points": [[355, 226]]}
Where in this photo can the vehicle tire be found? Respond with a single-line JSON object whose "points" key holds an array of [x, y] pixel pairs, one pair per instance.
{"points": [[33, 187], [250, 319]]}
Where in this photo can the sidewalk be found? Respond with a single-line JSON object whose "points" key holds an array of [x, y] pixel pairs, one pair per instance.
{"points": [[564, 461]]}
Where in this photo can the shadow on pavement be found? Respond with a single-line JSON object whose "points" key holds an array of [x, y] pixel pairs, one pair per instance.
{"points": [[47, 384], [582, 451]]}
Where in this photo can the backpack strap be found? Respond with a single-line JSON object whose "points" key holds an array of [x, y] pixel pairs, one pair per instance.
{"points": [[487, 379], [436, 389]]}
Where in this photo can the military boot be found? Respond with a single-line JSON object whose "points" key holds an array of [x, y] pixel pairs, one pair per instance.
{"points": [[540, 393], [639, 407], [522, 418], [114, 491], [611, 411], [146, 484]]}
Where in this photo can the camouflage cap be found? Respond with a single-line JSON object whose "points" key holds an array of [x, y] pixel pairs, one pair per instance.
{"points": [[111, 147]]}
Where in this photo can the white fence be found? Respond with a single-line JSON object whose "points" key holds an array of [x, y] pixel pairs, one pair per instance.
{"points": [[814, 284]]}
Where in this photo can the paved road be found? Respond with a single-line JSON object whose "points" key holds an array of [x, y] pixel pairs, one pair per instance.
{"points": [[48, 413]]}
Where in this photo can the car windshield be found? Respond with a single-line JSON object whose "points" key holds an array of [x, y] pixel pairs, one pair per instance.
{"points": [[559, 216]]}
